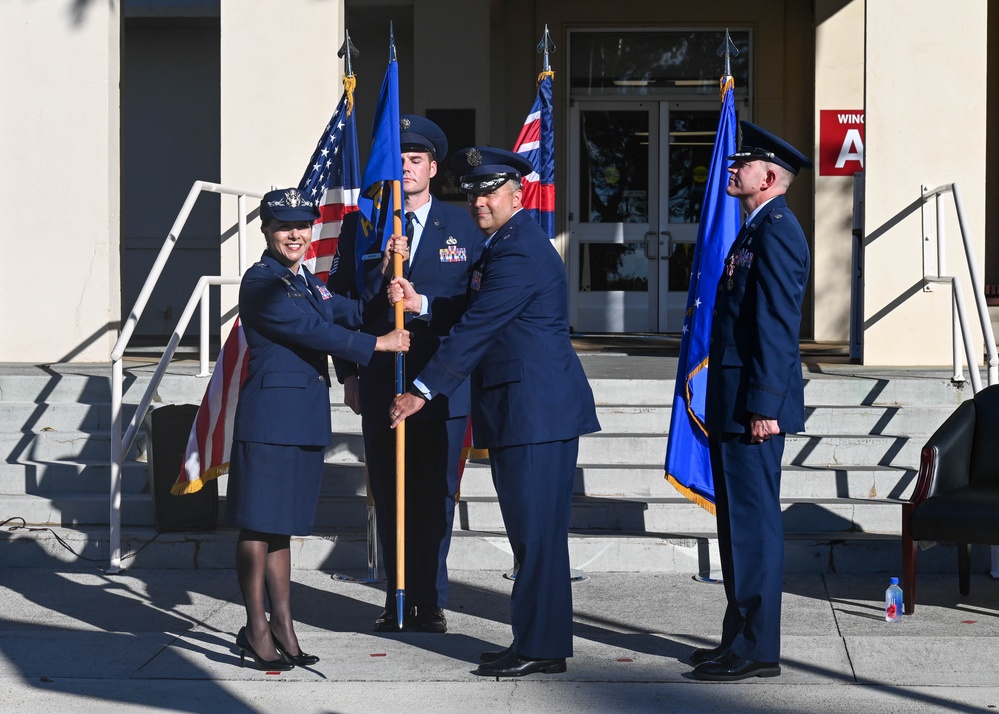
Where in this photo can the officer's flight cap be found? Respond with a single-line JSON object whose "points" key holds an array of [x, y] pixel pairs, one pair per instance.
{"points": [[287, 204], [483, 168], [758, 143], [418, 133]]}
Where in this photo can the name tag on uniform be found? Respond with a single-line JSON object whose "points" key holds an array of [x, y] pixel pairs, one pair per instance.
{"points": [[476, 280], [371, 256], [324, 292], [453, 254]]}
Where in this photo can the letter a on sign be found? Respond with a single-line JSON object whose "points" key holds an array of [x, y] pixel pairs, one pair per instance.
{"points": [[841, 142]]}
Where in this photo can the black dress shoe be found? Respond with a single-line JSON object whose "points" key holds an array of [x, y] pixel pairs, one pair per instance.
{"points": [[417, 618], [266, 665], [425, 618], [493, 655], [299, 660], [387, 621], [706, 654], [513, 665], [729, 667]]}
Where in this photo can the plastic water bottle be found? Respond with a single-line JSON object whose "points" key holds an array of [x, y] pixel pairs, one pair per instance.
{"points": [[893, 602]]}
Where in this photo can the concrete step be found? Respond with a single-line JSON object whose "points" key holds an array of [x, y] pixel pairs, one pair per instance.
{"points": [[910, 421], [346, 552], [54, 478], [648, 481], [860, 389], [91, 384], [605, 447], [65, 445], [820, 390], [58, 416], [799, 450], [78, 509], [666, 514]]}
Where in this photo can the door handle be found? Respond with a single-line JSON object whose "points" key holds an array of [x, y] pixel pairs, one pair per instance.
{"points": [[650, 237], [669, 246]]}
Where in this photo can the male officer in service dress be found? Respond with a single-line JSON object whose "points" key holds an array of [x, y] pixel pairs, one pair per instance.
{"points": [[530, 401], [754, 397], [440, 248]]}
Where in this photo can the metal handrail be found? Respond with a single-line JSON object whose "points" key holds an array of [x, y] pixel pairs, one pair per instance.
{"points": [[120, 445], [961, 328]]}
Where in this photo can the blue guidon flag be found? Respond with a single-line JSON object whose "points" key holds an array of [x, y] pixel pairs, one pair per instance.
{"points": [[536, 143], [382, 174], [688, 465]]}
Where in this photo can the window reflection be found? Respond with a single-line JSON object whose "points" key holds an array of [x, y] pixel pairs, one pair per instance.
{"points": [[613, 266], [681, 262], [691, 142], [614, 158], [673, 62]]}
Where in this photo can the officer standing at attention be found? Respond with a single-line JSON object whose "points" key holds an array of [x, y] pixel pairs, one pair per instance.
{"points": [[754, 396], [440, 248], [530, 401]]}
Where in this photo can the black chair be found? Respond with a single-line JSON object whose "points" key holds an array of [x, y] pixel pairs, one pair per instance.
{"points": [[956, 499]]}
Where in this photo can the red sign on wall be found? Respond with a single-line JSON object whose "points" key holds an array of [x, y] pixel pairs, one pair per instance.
{"points": [[841, 142]]}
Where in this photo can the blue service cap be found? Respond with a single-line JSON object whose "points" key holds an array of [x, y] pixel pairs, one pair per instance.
{"points": [[483, 168], [287, 204], [418, 133], [758, 143]]}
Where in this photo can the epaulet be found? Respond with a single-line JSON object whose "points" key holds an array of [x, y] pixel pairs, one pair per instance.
{"points": [[259, 264]]}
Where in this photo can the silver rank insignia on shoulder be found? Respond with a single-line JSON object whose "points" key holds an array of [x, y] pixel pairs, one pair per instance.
{"points": [[451, 240]]}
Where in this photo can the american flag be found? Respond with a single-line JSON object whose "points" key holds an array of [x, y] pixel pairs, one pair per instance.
{"points": [[331, 178], [536, 143], [208, 445]]}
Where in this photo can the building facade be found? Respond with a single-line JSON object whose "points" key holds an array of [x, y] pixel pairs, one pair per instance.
{"points": [[124, 105]]}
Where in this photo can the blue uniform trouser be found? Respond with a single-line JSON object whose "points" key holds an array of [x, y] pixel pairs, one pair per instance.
{"points": [[534, 485], [433, 450], [750, 541]]}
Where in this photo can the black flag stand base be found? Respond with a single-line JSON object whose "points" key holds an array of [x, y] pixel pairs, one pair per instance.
{"points": [[712, 577], [372, 576]]}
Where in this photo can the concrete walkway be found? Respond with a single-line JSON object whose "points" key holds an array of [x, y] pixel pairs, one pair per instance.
{"points": [[162, 640]]}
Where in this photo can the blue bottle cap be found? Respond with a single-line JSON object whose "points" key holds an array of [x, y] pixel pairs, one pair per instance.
{"points": [[894, 581]]}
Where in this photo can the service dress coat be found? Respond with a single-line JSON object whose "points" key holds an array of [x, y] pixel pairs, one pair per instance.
{"points": [[282, 422], [441, 268], [755, 368], [530, 403]]}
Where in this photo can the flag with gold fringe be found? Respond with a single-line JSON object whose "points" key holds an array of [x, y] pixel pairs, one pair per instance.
{"points": [[330, 178], [688, 465]]}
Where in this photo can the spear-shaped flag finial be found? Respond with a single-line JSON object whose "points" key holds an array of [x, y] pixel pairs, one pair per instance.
{"points": [[728, 50], [392, 57], [545, 46], [348, 51]]}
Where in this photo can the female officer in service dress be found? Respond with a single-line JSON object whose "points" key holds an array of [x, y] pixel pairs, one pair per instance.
{"points": [[282, 423]]}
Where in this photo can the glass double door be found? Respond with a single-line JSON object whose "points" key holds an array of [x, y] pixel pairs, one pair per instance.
{"points": [[637, 175]]}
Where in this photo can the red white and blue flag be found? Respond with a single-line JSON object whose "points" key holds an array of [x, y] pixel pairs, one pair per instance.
{"points": [[332, 179], [536, 143]]}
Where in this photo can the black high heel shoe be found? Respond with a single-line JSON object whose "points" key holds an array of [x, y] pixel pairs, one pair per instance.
{"points": [[266, 665], [299, 660]]}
